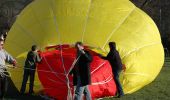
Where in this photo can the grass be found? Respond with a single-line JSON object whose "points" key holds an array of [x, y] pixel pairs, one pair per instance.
{"points": [[159, 89]]}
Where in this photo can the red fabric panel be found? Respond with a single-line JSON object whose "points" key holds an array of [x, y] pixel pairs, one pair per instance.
{"points": [[54, 65]]}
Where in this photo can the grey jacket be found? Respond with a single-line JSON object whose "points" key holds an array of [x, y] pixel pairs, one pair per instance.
{"points": [[5, 57]]}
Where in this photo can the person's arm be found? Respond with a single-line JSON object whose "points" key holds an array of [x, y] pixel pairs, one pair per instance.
{"points": [[9, 59], [71, 72], [87, 55], [119, 61], [103, 57], [38, 58]]}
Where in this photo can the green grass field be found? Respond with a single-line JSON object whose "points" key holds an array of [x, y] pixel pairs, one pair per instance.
{"points": [[159, 89]]}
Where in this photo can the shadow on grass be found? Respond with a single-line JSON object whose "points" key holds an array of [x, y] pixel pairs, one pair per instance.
{"points": [[12, 93]]}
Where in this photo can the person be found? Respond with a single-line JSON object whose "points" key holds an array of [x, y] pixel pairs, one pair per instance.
{"points": [[115, 61], [81, 73], [4, 57], [29, 69]]}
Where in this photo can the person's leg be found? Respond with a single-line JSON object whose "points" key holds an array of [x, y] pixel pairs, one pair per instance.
{"points": [[24, 82], [74, 90], [5, 85], [6, 82], [32, 75], [1, 87], [79, 92], [87, 93], [118, 85]]}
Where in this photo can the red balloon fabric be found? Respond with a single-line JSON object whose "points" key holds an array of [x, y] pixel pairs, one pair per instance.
{"points": [[55, 65]]}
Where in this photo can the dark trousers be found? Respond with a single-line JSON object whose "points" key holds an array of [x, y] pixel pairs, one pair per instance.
{"points": [[3, 84], [28, 73], [118, 85]]}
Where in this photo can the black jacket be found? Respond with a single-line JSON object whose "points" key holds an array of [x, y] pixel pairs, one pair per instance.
{"points": [[82, 69], [115, 61], [32, 59]]}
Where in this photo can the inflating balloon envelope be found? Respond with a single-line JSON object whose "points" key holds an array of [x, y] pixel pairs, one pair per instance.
{"points": [[61, 23]]}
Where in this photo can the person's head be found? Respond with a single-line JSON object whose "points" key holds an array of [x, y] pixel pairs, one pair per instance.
{"points": [[112, 45], [1, 43], [34, 48], [79, 45]]}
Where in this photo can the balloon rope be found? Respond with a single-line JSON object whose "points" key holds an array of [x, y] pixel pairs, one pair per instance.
{"points": [[73, 64], [27, 33], [104, 81], [136, 49], [59, 37], [98, 67], [42, 71], [118, 26], [3, 71], [49, 66], [86, 20], [107, 79], [69, 94], [139, 74], [52, 70]]}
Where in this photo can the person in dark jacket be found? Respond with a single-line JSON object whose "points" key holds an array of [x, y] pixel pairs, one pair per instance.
{"points": [[81, 73], [115, 61], [29, 69]]}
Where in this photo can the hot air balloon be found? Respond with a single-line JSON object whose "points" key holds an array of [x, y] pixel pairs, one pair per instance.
{"points": [[60, 23]]}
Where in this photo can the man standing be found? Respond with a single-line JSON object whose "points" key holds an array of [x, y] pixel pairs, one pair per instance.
{"points": [[29, 69], [81, 73], [115, 61], [4, 57]]}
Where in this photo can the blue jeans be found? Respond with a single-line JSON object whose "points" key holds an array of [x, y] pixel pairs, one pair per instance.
{"points": [[80, 90], [118, 84]]}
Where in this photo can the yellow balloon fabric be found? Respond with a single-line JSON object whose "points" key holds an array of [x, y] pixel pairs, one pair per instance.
{"points": [[95, 23]]}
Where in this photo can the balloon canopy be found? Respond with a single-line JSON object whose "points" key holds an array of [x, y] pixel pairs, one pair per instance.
{"points": [[95, 23]]}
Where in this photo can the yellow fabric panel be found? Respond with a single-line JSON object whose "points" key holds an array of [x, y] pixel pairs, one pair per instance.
{"points": [[105, 17], [141, 67], [95, 23]]}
